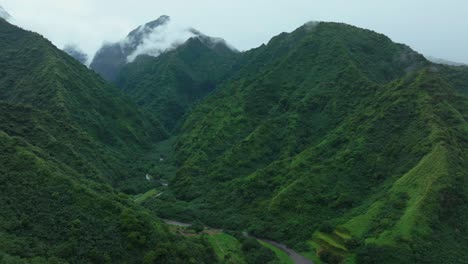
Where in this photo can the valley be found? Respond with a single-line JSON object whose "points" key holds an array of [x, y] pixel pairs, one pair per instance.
{"points": [[309, 146], [328, 144]]}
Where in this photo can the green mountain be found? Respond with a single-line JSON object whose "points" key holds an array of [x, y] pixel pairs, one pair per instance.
{"points": [[36, 74], [335, 136], [170, 84], [76, 52], [166, 79], [332, 139], [65, 136], [111, 57]]}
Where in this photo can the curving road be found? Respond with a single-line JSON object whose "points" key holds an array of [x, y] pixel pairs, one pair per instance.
{"points": [[176, 223], [296, 257]]}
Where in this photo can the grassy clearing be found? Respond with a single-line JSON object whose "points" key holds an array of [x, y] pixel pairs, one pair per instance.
{"points": [[140, 198], [312, 253], [227, 248], [330, 240]]}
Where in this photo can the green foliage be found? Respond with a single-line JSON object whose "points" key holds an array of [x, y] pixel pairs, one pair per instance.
{"points": [[375, 254], [330, 126], [329, 257], [283, 257], [65, 136], [254, 252], [198, 227], [62, 107], [330, 134], [170, 84], [227, 248]]}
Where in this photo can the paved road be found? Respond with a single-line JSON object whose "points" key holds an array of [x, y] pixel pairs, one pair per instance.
{"points": [[176, 223], [296, 257]]}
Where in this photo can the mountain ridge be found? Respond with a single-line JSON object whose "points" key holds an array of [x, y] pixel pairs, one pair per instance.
{"points": [[333, 139], [170, 84], [4, 14], [110, 59], [66, 137], [315, 126]]}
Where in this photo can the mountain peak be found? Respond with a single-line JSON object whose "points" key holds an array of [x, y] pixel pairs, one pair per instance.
{"points": [[153, 38], [140, 31], [160, 21]]}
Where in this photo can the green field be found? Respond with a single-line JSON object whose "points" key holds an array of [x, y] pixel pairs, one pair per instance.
{"points": [[140, 198], [227, 248]]}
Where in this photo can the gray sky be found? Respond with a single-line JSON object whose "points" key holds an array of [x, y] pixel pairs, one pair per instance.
{"points": [[437, 28]]}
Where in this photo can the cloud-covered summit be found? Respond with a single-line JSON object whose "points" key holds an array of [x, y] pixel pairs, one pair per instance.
{"points": [[4, 14], [153, 39], [74, 51]]}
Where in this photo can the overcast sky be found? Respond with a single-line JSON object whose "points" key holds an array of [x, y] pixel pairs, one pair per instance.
{"points": [[437, 28]]}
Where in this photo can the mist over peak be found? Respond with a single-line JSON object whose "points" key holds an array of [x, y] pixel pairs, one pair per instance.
{"points": [[213, 42], [4, 14], [153, 39], [139, 34], [75, 51], [444, 61]]}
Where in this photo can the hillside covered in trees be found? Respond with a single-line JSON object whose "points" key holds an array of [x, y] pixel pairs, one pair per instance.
{"points": [[332, 139]]}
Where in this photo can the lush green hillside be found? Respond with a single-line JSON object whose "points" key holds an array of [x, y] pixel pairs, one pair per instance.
{"points": [[170, 84], [335, 135], [64, 136], [332, 139], [36, 74], [49, 215]]}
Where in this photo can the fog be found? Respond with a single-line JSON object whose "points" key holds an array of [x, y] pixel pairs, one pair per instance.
{"points": [[162, 38], [435, 28]]}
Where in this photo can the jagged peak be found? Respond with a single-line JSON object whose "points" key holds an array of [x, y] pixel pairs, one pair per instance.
{"points": [[153, 39]]}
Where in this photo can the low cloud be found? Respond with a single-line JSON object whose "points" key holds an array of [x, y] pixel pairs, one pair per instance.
{"points": [[4, 14], [74, 51], [158, 40]]}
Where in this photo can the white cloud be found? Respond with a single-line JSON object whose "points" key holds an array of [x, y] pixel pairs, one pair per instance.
{"points": [[249, 23], [161, 39], [4, 14]]}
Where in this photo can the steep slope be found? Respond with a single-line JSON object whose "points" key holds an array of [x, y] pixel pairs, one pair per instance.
{"points": [[170, 84], [4, 14], [64, 133], [336, 135], [34, 73], [50, 216], [76, 53], [109, 60], [166, 69]]}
